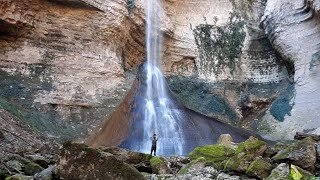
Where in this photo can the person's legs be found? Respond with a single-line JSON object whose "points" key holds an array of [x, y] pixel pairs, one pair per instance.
{"points": [[155, 150]]}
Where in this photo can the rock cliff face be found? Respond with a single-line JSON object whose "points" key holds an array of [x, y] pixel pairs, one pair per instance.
{"points": [[293, 27], [64, 59], [65, 65], [221, 63]]}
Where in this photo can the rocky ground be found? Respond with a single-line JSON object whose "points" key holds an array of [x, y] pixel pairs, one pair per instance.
{"points": [[28, 155]]}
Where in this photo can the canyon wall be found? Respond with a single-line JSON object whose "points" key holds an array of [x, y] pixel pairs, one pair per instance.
{"points": [[293, 27], [66, 65], [62, 62]]}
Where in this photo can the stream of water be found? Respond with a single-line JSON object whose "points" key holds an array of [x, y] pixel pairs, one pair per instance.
{"points": [[159, 114]]}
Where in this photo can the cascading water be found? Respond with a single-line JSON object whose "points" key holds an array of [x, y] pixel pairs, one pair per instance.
{"points": [[160, 115], [150, 108]]}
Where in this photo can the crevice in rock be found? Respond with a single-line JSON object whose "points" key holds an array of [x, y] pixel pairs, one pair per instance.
{"points": [[74, 4]]}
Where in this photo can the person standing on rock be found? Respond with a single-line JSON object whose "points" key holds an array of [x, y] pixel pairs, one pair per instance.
{"points": [[154, 140]]}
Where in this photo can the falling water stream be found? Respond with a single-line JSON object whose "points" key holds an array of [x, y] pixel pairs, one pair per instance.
{"points": [[150, 108], [160, 115]]}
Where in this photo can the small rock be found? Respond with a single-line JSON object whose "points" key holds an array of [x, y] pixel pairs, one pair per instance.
{"points": [[14, 166], [301, 153], [281, 172], [225, 139], [19, 177], [224, 176], [295, 170], [32, 168]]}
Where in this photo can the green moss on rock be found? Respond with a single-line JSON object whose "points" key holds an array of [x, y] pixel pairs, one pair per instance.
{"points": [[301, 153], [159, 165], [252, 146], [259, 168], [32, 168], [214, 154]]}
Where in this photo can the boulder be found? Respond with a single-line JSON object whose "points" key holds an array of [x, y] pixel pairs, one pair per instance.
{"points": [[32, 168], [245, 154], [301, 153], [281, 172], [195, 165], [79, 161], [259, 168], [160, 165], [214, 154], [238, 163], [127, 156], [252, 147], [38, 159]]}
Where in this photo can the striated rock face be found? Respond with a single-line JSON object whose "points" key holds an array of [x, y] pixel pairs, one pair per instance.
{"points": [[293, 27], [64, 60]]}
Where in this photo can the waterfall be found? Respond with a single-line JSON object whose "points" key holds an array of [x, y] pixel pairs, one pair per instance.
{"points": [[157, 112]]}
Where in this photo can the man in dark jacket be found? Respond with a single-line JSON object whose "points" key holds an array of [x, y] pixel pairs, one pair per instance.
{"points": [[154, 140]]}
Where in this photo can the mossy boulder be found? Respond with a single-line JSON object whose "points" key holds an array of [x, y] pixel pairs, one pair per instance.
{"points": [[214, 154], [301, 153], [238, 163], [32, 168], [160, 165], [194, 165], [41, 160], [79, 161], [281, 172], [260, 168], [252, 147]]}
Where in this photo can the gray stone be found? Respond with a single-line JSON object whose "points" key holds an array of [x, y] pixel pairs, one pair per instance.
{"points": [[281, 172], [224, 176], [225, 139], [301, 153]]}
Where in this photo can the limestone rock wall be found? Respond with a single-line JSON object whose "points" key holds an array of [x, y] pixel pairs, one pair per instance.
{"points": [[220, 62], [65, 59], [293, 27]]}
